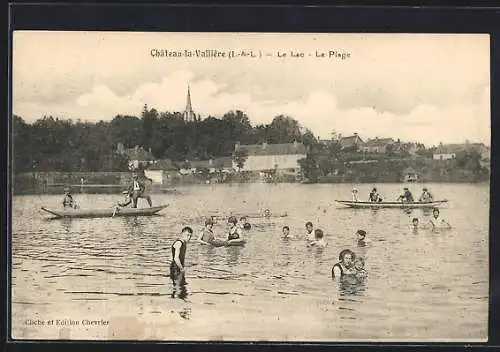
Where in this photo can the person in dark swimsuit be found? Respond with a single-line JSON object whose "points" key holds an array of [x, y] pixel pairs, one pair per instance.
{"points": [[345, 266], [234, 231], [177, 270]]}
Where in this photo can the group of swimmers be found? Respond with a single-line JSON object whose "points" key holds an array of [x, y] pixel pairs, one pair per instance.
{"points": [[405, 197], [348, 265]]}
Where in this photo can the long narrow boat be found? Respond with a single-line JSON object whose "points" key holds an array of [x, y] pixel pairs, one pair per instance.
{"points": [[104, 213], [398, 205]]}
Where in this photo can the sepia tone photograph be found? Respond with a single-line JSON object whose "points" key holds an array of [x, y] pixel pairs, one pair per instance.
{"points": [[250, 187]]}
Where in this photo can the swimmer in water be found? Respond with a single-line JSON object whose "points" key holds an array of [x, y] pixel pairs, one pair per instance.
{"points": [[359, 265], [286, 232], [438, 223], [414, 224], [207, 235], [345, 265], [243, 221], [361, 234], [310, 234], [247, 226], [267, 213], [234, 231], [319, 240]]}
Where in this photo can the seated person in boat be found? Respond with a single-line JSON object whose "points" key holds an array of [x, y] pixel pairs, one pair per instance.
{"points": [[286, 232], [437, 222], [319, 240], [68, 201], [406, 197], [426, 196], [374, 196], [309, 231], [345, 265], [355, 195], [234, 230], [127, 200], [359, 265]]}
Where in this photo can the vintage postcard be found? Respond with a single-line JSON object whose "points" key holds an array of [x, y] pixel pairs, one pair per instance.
{"points": [[250, 186]]}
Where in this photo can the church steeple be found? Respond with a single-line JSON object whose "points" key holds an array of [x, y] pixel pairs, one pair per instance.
{"points": [[189, 114]]}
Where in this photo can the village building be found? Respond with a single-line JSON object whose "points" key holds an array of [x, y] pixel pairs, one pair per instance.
{"points": [[410, 175], [213, 165], [162, 171], [377, 145], [449, 151], [353, 142], [282, 158], [137, 155]]}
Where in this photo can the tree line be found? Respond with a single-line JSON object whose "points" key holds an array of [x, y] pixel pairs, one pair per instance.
{"points": [[54, 144]]}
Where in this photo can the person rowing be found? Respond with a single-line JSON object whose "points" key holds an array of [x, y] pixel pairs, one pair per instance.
{"points": [[68, 201], [406, 197], [426, 196], [139, 191]]}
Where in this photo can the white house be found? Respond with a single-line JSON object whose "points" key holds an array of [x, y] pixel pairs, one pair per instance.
{"points": [[267, 157]]}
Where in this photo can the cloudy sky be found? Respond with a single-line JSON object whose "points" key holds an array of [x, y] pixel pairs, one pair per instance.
{"points": [[429, 88]]}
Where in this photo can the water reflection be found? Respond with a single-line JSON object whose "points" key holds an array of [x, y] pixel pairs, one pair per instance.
{"points": [[350, 285], [179, 289], [67, 224], [233, 255]]}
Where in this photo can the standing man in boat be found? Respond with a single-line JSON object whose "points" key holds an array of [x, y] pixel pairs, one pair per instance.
{"points": [[426, 196], [68, 201], [138, 189], [177, 270], [355, 195]]}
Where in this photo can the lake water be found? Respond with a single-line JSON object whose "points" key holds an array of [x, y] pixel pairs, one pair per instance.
{"points": [[71, 275]]}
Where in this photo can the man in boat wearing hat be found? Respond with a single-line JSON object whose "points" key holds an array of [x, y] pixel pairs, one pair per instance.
{"points": [[406, 197], [137, 189], [68, 201], [426, 196]]}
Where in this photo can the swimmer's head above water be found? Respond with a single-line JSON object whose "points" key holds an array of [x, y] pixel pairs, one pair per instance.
{"points": [[232, 220], [359, 263], [285, 230], [309, 226], [361, 234], [318, 234], [414, 221], [347, 257], [435, 213]]}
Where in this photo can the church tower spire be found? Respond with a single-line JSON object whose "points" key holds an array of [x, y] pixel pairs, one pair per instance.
{"points": [[189, 114]]}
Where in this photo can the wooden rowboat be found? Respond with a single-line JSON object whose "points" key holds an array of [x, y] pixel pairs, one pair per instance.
{"points": [[104, 213], [397, 205]]}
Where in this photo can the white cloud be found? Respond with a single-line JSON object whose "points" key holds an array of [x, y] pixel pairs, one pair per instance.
{"points": [[318, 111]]}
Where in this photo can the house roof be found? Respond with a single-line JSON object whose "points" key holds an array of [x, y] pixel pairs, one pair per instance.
{"points": [[347, 142], [449, 148], [379, 142], [274, 149]]}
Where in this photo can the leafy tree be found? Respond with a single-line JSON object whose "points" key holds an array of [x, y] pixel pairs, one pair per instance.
{"points": [[240, 157]]}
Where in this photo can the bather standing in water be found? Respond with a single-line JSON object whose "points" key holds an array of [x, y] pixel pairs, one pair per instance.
{"points": [[319, 240], [234, 231], [177, 270], [345, 265], [207, 235], [309, 231], [438, 223]]}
